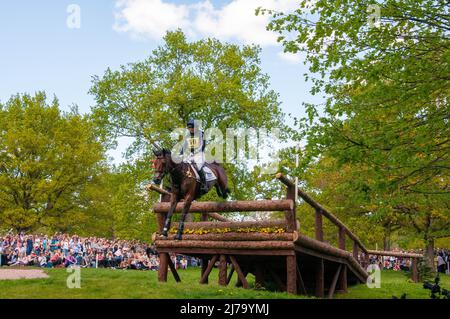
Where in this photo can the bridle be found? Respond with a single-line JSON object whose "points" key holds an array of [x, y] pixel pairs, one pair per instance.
{"points": [[168, 170]]}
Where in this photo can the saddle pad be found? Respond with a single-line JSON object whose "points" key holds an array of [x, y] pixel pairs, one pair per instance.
{"points": [[209, 175]]}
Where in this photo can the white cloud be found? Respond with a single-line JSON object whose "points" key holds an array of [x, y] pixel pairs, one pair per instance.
{"points": [[294, 58], [149, 18], [235, 21]]}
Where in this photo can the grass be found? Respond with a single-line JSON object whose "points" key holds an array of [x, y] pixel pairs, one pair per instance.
{"points": [[135, 284], [393, 283], [110, 283]]}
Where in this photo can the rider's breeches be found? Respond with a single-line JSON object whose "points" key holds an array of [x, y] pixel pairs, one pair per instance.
{"points": [[198, 159]]}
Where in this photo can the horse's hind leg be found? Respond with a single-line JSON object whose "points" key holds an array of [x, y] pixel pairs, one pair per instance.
{"points": [[221, 182], [222, 185], [219, 190]]}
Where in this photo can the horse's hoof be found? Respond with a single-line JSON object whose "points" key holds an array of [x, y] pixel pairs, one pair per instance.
{"points": [[163, 234], [177, 237]]}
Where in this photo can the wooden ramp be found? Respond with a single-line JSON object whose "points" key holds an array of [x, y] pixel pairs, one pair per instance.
{"points": [[279, 256], [284, 262]]}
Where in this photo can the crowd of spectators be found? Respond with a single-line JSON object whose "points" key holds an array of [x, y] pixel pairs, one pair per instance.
{"points": [[63, 250], [442, 261]]}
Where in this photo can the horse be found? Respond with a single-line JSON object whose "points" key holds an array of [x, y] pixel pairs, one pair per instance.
{"points": [[185, 185]]}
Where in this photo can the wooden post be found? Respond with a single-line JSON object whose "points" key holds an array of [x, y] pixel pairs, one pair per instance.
{"points": [[319, 226], [163, 257], [259, 275], [223, 270], [341, 238], [301, 283], [240, 282], [163, 264], [230, 274], [355, 251], [239, 272], [208, 269], [290, 214], [415, 272], [320, 279], [334, 281], [291, 277], [173, 270], [278, 280], [204, 267], [343, 279]]}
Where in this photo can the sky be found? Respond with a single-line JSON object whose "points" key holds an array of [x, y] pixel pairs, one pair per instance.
{"points": [[56, 46]]}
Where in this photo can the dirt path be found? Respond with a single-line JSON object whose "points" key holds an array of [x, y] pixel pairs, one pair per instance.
{"points": [[22, 273]]}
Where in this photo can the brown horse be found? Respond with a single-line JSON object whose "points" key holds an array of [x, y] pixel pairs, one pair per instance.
{"points": [[185, 185]]}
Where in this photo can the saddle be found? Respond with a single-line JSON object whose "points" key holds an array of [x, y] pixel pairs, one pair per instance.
{"points": [[209, 174]]}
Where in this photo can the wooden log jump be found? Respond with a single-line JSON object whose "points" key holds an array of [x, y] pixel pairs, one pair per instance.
{"points": [[246, 246], [237, 245], [277, 223], [235, 236], [165, 192], [231, 206]]}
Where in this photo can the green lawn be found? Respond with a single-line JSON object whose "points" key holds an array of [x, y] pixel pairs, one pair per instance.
{"points": [[110, 283], [393, 283]]}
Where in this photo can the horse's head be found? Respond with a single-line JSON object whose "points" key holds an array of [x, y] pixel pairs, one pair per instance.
{"points": [[161, 164]]}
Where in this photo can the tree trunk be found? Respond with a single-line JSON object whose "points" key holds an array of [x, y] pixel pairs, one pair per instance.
{"points": [[387, 238], [387, 241], [429, 252]]}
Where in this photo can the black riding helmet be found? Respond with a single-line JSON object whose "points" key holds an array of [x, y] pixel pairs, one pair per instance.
{"points": [[191, 123]]}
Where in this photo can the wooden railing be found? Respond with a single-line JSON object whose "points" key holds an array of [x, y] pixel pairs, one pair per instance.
{"points": [[344, 231]]}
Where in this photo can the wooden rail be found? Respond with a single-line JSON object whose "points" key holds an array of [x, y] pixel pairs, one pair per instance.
{"points": [[165, 192], [394, 254], [321, 211], [229, 206], [344, 231]]}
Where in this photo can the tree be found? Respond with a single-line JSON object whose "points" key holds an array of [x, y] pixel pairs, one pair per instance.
{"points": [[387, 89], [118, 205], [47, 158], [218, 83]]}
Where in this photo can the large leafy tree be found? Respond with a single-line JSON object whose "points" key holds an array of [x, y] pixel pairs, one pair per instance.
{"points": [[383, 69], [221, 84], [118, 205], [47, 158]]}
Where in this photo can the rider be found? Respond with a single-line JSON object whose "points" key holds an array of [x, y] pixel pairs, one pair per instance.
{"points": [[194, 145]]}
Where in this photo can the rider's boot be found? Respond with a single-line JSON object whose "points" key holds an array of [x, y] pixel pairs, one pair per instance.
{"points": [[203, 186]]}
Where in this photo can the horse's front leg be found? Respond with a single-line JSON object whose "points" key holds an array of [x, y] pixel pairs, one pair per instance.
{"points": [[173, 205], [186, 207]]}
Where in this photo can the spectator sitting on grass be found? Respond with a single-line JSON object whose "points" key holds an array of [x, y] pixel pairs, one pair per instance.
{"points": [[42, 260], [79, 258], [70, 260], [55, 259]]}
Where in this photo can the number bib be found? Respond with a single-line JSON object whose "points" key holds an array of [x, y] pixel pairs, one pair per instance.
{"points": [[194, 142]]}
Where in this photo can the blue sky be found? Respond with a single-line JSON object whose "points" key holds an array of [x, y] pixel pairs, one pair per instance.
{"points": [[40, 52]]}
